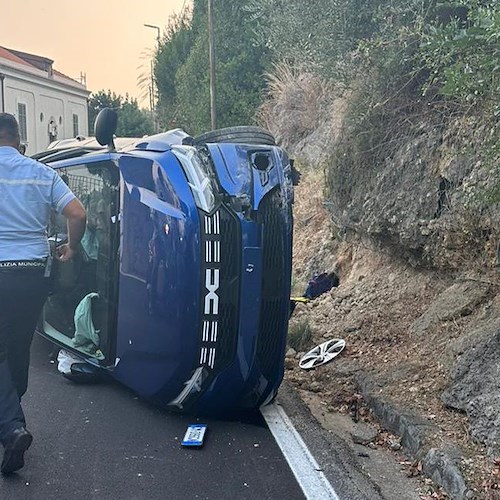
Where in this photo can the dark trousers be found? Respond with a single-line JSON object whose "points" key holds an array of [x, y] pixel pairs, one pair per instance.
{"points": [[22, 295]]}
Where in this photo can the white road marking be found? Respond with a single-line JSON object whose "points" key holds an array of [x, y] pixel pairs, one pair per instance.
{"points": [[306, 470]]}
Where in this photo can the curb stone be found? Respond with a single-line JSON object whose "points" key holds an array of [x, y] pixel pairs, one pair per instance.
{"points": [[440, 467], [415, 431]]}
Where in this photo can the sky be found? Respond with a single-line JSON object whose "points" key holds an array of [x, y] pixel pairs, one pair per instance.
{"points": [[105, 39]]}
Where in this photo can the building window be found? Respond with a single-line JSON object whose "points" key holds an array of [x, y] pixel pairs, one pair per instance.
{"points": [[76, 130], [21, 115]]}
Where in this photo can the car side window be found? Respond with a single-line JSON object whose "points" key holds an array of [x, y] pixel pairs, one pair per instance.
{"points": [[79, 310]]}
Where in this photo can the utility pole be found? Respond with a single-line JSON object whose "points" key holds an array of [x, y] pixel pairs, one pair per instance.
{"points": [[211, 47], [153, 104], [152, 95]]}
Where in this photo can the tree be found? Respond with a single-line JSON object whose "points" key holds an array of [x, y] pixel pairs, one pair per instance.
{"points": [[100, 100], [182, 69], [318, 36], [178, 41], [132, 121]]}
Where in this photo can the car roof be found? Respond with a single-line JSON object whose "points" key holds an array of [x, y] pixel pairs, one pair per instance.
{"points": [[80, 146], [90, 142]]}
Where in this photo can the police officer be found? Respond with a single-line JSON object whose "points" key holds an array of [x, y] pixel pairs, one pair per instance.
{"points": [[29, 191]]}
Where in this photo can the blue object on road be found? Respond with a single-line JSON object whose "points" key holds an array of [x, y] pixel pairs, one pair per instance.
{"points": [[194, 435]]}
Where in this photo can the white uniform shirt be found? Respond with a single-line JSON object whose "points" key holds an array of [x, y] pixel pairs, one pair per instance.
{"points": [[29, 190]]}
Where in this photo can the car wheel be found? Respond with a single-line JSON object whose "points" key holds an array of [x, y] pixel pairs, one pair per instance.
{"points": [[243, 134]]}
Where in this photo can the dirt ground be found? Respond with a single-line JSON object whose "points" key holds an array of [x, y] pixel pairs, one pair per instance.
{"points": [[378, 299]]}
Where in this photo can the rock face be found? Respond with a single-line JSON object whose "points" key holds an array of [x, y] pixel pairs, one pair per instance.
{"points": [[428, 200], [484, 413], [475, 382], [458, 300], [427, 190]]}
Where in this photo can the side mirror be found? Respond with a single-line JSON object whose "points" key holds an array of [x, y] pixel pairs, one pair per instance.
{"points": [[105, 127]]}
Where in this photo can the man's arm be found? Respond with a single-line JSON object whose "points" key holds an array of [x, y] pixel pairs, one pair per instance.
{"points": [[77, 219]]}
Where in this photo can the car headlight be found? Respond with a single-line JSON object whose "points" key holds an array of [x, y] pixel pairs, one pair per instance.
{"points": [[198, 175]]}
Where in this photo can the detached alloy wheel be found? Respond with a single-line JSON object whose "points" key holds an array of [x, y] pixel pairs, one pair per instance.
{"points": [[242, 134], [322, 354]]}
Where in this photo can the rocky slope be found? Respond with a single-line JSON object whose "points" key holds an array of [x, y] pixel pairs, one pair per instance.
{"points": [[415, 242], [428, 337]]}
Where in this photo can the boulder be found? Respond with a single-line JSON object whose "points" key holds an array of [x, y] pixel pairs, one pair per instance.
{"points": [[475, 387], [458, 300]]}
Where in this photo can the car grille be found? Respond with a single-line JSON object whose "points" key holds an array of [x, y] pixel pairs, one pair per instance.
{"points": [[222, 228], [229, 287], [230, 246], [275, 280]]}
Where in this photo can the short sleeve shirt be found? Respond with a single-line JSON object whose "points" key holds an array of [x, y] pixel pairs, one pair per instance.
{"points": [[29, 191]]}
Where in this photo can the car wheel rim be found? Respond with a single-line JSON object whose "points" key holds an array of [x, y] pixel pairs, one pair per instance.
{"points": [[321, 354]]}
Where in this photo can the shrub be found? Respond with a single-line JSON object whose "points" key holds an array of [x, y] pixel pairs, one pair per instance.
{"points": [[462, 56], [303, 95], [300, 334]]}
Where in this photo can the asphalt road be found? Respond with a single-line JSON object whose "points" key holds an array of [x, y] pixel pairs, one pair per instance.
{"points": [[101, 442]]}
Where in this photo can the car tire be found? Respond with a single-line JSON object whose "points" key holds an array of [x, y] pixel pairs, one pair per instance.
{"points": [[242, 134]]}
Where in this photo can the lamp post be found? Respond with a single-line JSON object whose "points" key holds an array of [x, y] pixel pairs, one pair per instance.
{"points": [[152, 99], [157, 28]]}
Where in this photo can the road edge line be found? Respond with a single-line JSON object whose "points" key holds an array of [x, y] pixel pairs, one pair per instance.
{"points": [[304, 466]]}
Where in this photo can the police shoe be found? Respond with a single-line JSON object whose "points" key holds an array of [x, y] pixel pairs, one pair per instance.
{"points": [[16, 444]]}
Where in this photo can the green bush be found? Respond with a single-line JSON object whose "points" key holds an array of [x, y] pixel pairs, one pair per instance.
{"points": [[449, 48], [300, 335], [423, 49], [463, 55]]}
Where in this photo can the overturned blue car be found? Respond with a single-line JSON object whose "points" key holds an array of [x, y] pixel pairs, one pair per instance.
{"points": [[181, 288]]}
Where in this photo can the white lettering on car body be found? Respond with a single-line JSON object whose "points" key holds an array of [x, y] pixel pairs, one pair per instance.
{"points": [[212, 285]]}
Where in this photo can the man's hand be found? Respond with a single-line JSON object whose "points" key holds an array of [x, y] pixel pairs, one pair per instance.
{"points": [[64, 253]]}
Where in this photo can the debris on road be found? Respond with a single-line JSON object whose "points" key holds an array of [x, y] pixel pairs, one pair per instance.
{"points": [[194, 436]]}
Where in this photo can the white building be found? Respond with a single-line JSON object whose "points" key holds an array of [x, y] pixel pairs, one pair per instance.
{"points": [[47, 104]]}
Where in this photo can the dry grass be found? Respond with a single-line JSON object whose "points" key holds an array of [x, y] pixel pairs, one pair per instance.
{"points": [[296, 105]]}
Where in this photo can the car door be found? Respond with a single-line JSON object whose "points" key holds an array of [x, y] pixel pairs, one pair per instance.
{"points": [[80, 312]]}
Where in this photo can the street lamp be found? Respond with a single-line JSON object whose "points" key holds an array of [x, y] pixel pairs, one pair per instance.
{"points": [[157, 28], [152, 100]]}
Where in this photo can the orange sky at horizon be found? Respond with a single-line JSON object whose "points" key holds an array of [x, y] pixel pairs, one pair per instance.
{"points": [[107, 40]]}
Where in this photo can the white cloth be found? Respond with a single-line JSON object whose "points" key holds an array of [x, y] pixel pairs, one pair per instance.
{"points": [[65, 360]]}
